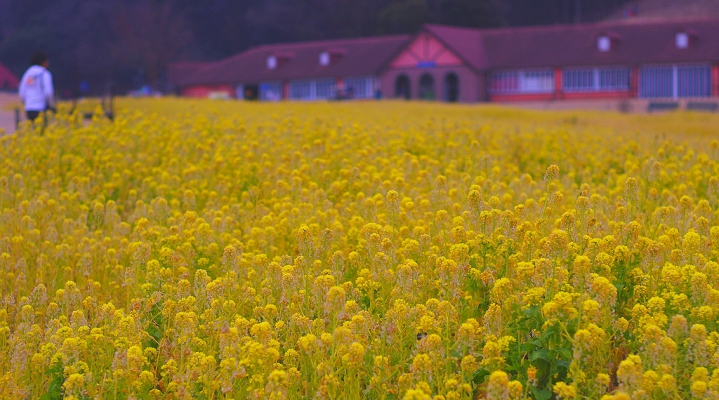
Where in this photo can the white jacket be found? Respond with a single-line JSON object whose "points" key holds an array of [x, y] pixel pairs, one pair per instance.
{"points": [[36, 89]]}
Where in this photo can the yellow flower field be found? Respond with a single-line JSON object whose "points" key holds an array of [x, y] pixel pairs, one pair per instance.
{"points": [[221, 250]]}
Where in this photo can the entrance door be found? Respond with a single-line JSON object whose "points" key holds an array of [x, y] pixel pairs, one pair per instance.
{"points": [[451, 87], [401, 87], [426, 87], [251, 92]]}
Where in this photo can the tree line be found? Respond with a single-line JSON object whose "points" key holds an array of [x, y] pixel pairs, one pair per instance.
{"points": [[130, 42]]}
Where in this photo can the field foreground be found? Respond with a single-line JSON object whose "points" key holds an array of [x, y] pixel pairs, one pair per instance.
{"points": [[386, 250]]}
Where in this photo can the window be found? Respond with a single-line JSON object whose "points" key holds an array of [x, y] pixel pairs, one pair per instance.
{"points": [[516, 82], [271, 62], [656, 82], [694, 81], [360, 87], [579, 80], [504, 82], [324, 88], [604, 44], [271, 91], [682, 40], [325, 58], [595, 79], [301, 90], [616, 78], [312, 90], [538, 81], [675, 81]]}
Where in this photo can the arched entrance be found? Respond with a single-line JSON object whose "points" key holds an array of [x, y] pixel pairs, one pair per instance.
{"points": [[451, 87], [426, 87], [401, 87]]}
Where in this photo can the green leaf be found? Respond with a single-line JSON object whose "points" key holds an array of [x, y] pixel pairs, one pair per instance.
{"points": [[480, 375], [540, 354], [565, 353], [529, 347], [540, 394], [542, 365], [549, 332]]}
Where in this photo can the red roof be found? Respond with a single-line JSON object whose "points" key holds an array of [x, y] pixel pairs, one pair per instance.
{"points": [[176, 72], [351, 57], [633, 43], [8, 80]]}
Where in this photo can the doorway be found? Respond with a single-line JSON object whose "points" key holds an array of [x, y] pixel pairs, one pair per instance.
{"points": [[426, 87], [451, 87], [402, 88]]}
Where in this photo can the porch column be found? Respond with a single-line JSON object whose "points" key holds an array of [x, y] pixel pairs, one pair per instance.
{"points": [[558, 94], [634, 82]]}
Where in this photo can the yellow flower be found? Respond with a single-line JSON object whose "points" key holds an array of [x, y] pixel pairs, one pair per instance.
{"points": [[74, 382], [699, 388], [421, 363], [416, 394], [564, 391], [498, 387], [552, 173], [469, 364]]}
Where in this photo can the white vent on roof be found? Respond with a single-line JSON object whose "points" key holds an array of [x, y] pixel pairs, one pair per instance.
{"points": [[271, 62], [604, 43], [325, 58], [682, 40]]}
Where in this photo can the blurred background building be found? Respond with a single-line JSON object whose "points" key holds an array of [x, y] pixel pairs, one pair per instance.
{"points": [[128, 45], [637, 58]]}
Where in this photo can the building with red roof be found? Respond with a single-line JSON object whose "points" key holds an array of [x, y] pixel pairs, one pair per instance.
{"points": [[299, 71], [178, 71], [670, 59], [8, 80]]}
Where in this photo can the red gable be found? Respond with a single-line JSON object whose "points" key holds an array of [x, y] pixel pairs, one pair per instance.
{"points": [[426, 51]]}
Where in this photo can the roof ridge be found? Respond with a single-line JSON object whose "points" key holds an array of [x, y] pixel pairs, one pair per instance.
{"points": [[462, 28], [363, 39]]}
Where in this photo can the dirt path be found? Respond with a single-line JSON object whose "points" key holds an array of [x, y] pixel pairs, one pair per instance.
{"points": [[7, 115]]}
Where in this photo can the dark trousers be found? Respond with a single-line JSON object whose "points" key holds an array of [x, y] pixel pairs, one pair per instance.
{"points": [[32, 115]]}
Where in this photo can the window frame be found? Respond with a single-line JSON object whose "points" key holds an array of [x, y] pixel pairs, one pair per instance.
{"points": [[523, 81], [596, 79]]}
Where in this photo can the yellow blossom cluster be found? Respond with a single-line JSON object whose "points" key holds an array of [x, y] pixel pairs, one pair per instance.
{"points": [[194, 249]]}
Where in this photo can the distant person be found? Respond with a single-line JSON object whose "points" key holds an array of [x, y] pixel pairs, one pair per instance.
{"points": [[36, 89]]}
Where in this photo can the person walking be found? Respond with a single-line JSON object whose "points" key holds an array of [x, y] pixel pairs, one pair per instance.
{"points": [[36, 90]]}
